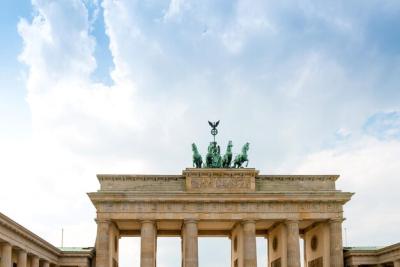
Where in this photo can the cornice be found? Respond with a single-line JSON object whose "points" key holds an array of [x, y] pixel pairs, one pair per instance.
{"points": [[371, 252], [337, 196], [213, 172], [25, 233], [137, 177], [330, 177]]}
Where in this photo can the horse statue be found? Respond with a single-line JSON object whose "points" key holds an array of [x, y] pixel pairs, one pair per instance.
{"points": [[242, 157], [227, 159], [197, 160]]}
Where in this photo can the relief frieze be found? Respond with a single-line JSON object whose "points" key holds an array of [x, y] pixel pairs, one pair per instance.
{"points": [[218, 207], [220, 180]]}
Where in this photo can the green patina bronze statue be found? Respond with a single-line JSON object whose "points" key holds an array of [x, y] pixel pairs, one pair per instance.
{"points": [[227, 159], [197, 159], [214, 158], [242, 157]]}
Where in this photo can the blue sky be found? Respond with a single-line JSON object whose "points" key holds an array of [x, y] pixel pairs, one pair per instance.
{"points": [[126, 86]]}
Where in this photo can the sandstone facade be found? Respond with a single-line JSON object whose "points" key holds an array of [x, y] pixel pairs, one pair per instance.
{"points": [[238, 203]]}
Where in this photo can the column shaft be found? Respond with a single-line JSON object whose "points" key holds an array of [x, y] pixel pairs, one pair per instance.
{"points": [[35, 261], [22, 258], [336, 246], [148, 244], [293, 247], [249, 244], [6, 255], [396, 263], [190, 246], [103, 254], [46, 264]]}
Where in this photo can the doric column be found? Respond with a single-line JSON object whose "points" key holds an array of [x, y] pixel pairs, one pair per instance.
{"points": [[249, 244], [22, 258], [336, 246], [46, 264], [148, 244], [35, 261], [103, 254], [293, 247], [190, 246], [6, 254]]}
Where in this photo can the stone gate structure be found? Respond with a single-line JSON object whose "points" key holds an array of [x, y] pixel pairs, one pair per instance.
{"points": [[238, 203]]}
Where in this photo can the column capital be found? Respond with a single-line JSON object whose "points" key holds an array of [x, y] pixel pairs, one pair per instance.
{"points": [[148, 222], [186, 221], [97, 220], [5, 243], [246, 221], [335, 220], [291, 221]]}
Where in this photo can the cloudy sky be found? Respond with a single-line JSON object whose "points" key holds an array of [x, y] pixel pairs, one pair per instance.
{"points": [[122, 86]]}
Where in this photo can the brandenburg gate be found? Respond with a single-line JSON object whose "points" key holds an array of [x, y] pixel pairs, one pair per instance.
{"points": [[220, 199]]}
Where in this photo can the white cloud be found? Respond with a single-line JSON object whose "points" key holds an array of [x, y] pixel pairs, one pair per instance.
{"points": [[368, 167], [168, 79], [174, 8], [249, 20]]}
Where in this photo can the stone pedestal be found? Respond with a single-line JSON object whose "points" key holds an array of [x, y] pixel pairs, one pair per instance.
{"points": [[220, 180], [148, 244], [103, 254], [22, 258], [190, 245], [6, 254], [336, 246], [249, 244], [293, 248]]}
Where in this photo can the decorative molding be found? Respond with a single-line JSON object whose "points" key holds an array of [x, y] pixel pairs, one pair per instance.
{"points": [[298, 177], [218, 207], [129, 177]]}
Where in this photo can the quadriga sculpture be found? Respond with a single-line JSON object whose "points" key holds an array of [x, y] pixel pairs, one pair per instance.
{"points": [[214, 159]]}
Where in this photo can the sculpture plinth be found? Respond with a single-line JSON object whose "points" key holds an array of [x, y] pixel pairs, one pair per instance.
{"points": [[220, 180]]}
